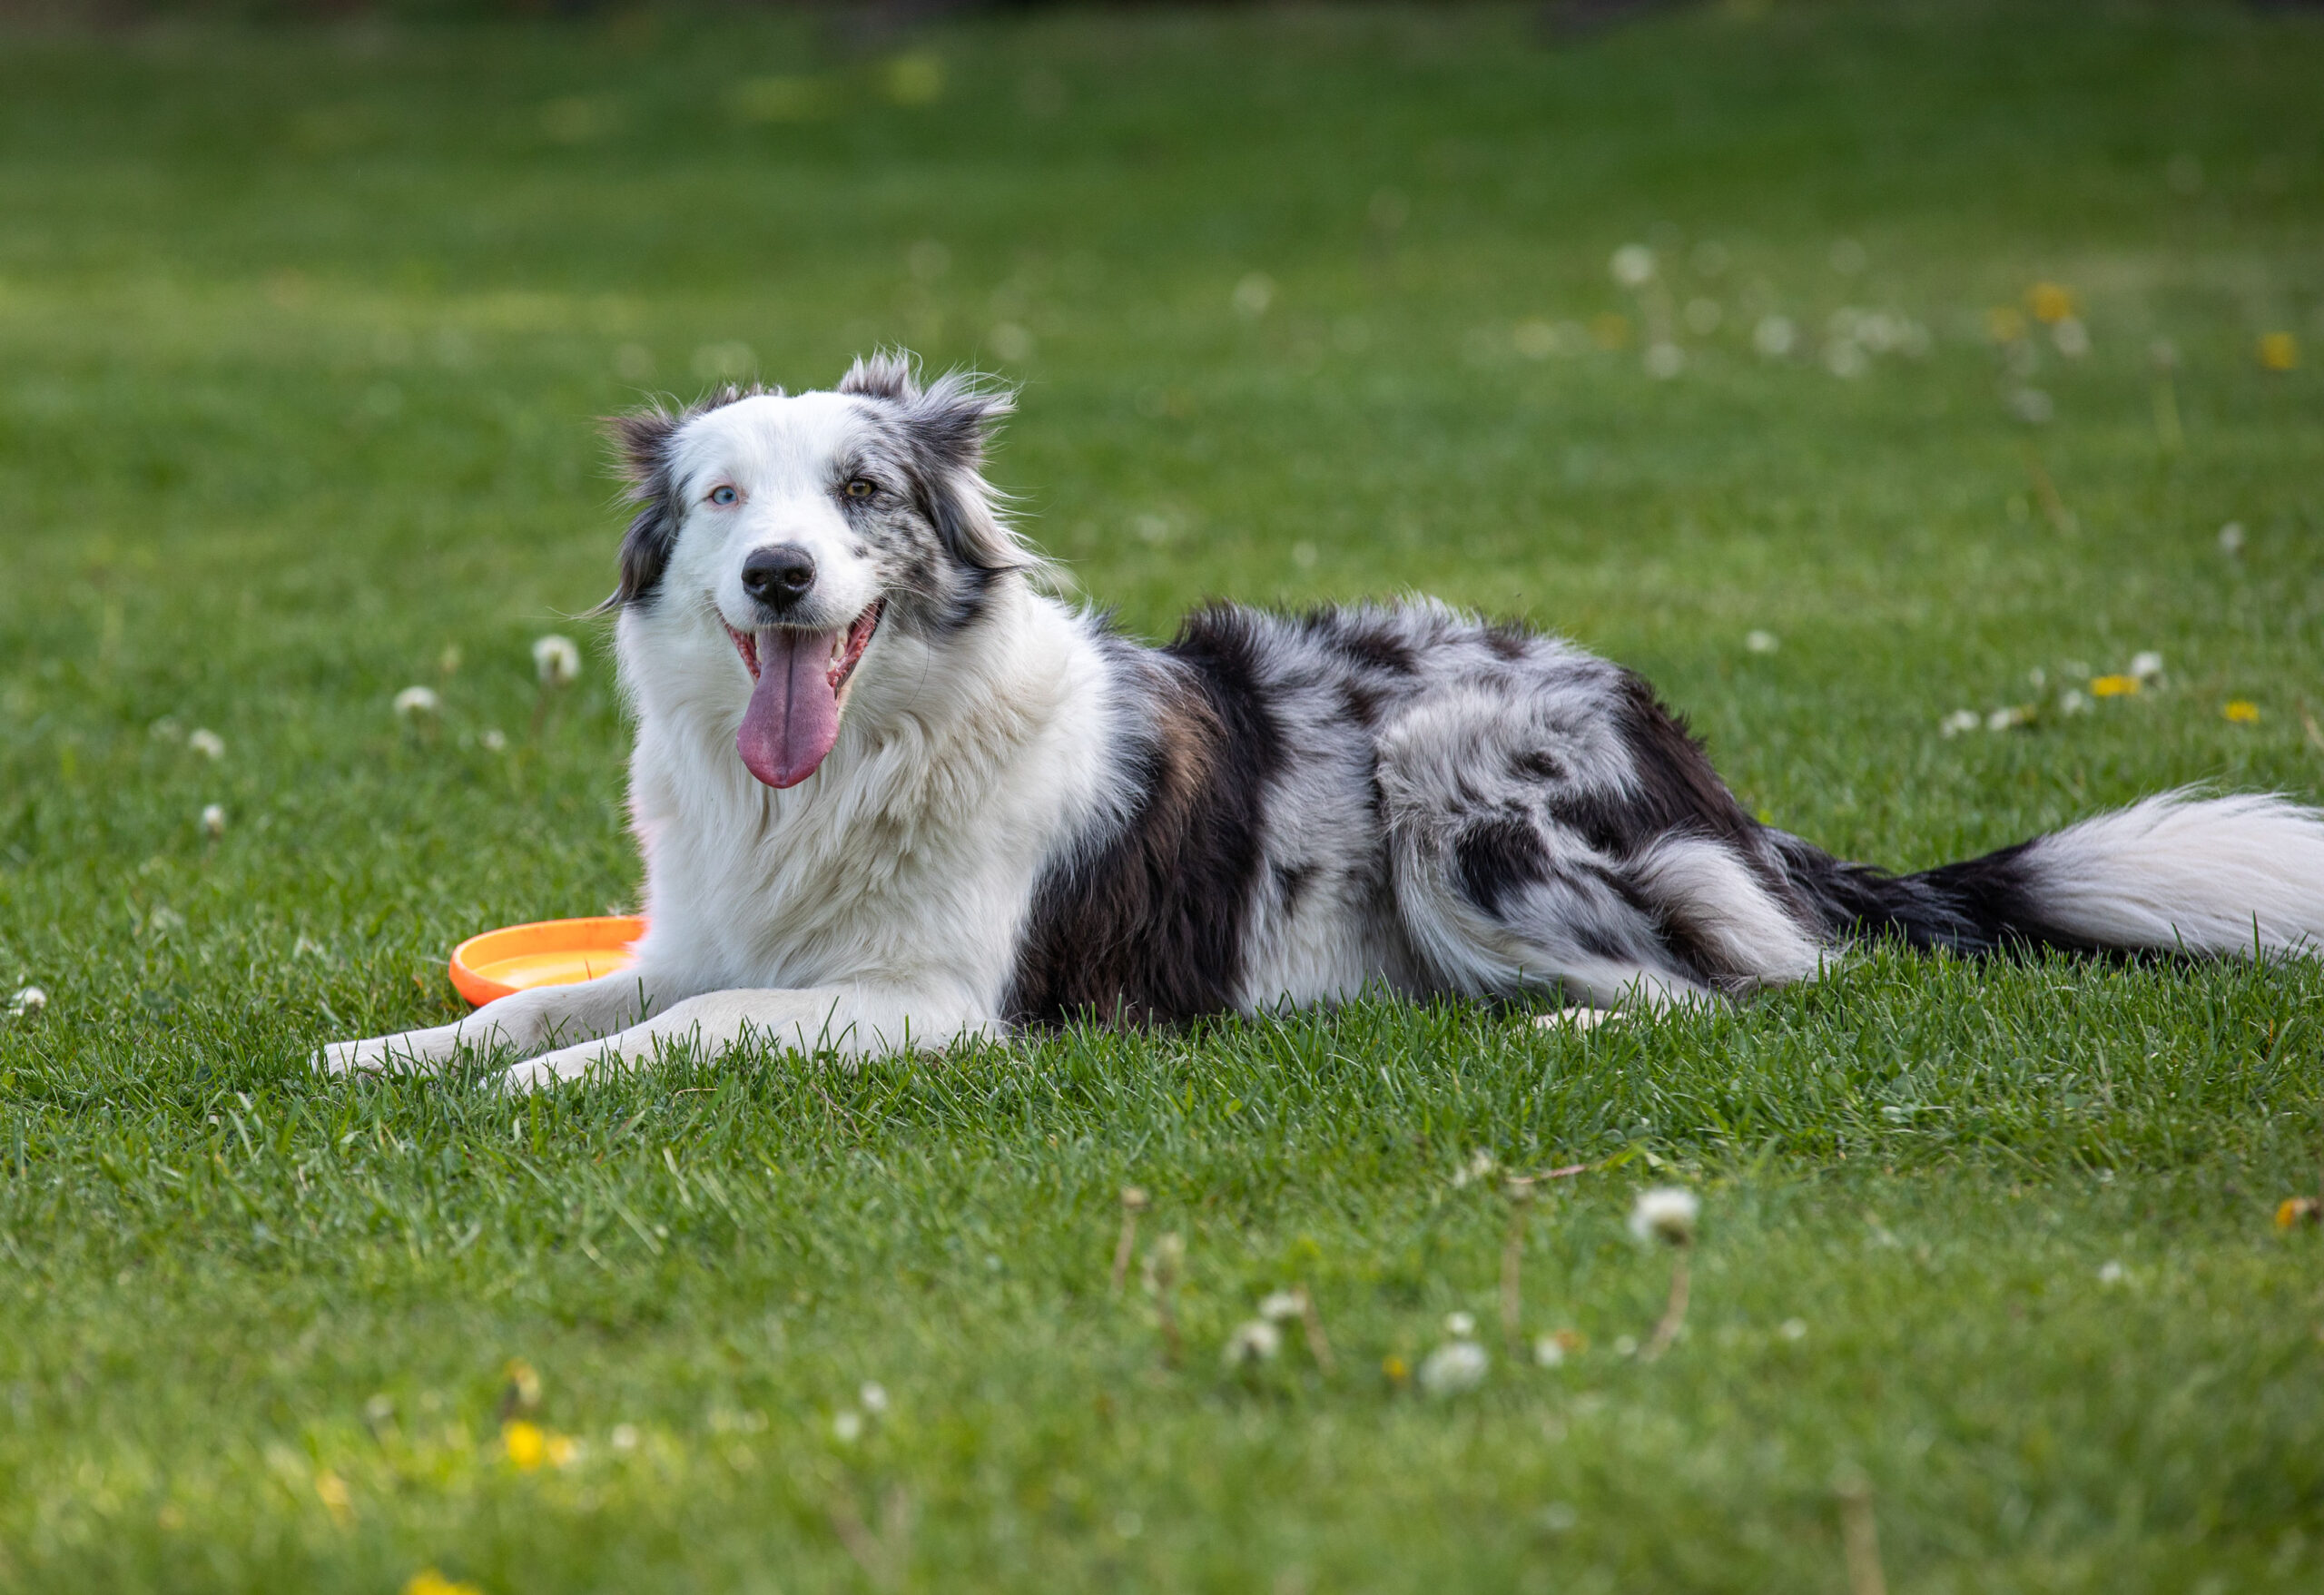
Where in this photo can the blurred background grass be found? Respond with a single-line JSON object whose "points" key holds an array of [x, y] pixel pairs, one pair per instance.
{"points": [[1730, 321]]}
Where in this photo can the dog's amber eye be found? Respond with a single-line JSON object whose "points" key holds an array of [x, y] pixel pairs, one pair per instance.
{"points": [[724, 496], [861, 487]]}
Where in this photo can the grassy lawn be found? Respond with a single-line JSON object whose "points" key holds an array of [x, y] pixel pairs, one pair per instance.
{"points": [[302, 339]]}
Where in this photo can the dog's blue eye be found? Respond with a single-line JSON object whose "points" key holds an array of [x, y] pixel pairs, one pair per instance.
{"points": [[723, 496]]}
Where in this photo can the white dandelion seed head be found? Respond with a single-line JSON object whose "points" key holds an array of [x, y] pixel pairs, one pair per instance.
{"points": [[494, 740], [1454, 1368], [28, 1002], [1761, 642], [2146, 666], [1844, 357], [1775, 336], [1461, 1325], [1277, 1305], [414, 702], [2032, 406], [213, 820], [1632, 265], [2231, 537], [623, 1437], [874, 1397], [1548, 1351], [557, 660], [1665, 1213], [208, 744], [847, 1426], [2073, 701], [1254, 1340], [1959, 721], [2111, 1274]]}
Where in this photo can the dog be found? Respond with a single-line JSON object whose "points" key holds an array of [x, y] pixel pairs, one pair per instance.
{"points": [[891, 794]]}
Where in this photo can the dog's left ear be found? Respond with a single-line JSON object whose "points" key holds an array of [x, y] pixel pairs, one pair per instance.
{"points": [[946, 422], [641, 447]]}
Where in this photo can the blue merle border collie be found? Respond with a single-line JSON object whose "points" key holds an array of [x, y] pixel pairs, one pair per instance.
{"points": [[891, 794]]}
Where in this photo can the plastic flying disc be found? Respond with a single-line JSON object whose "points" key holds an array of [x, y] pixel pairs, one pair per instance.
{"points": [[554, 953]]}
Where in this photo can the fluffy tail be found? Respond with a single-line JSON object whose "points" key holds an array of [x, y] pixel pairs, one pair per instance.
{"points": [[2222, 876]]}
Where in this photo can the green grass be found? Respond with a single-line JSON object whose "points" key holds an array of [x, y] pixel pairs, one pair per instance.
{"points": [[302, 340]]}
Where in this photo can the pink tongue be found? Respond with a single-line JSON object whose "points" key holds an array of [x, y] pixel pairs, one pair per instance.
{"points": [[794, 717]]}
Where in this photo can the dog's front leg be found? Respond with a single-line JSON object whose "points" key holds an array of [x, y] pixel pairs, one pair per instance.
{"points": [[857, 1021], [523, 1023]]}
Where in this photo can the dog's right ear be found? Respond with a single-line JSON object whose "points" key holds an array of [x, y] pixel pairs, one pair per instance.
{"points": [[642, 442]]}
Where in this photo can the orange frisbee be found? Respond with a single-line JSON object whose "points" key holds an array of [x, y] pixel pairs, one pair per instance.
{"points": [[554, 953]]}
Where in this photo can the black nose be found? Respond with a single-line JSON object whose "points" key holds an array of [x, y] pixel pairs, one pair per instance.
{"points": [[779, 577]]}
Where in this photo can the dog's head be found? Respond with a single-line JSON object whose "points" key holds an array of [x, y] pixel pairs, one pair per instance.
{"points": [[807, 526]]}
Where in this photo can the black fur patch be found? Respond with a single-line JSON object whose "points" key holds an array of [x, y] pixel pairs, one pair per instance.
{"points": [[1498, 859], [1677, 789], [1149, 926], [1981, 905]]}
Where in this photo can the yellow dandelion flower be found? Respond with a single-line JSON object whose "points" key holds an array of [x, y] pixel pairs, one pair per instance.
{"points": [[2279, 351], [337, 1499], [2049, 302], [2243, 710], [526, 1444], [429, 1581], [2298, 1210], [2005, 325], [1397, 1370], [2113, 686]]}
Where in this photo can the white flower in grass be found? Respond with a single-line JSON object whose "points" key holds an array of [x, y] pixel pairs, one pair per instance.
{"points": [[28, 1002], [1793, 1329], [1279, 1306], [557, 660], [494, 740], [1667, 1213], [2072, 338], [1761, 642], [1461, 1325], [2231, 537], [415, 702], [1959, 721], [1480, 1164], [1455, 1367], [1252, 1342], [1665, 360], [2032, 406], [847, 1426], [208, 744], [213, 820], [1548, 1351], [2073, 701], [2111, 1274], [2146, 665], [1775, 336], [1632, 265], [874, 1397], [623, 1437]]}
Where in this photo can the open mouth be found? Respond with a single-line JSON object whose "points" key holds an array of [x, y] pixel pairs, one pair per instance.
{"points": [[799, 678]]}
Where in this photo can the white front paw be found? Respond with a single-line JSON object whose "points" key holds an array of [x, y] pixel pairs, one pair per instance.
{"points": [[381, 1054]]}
